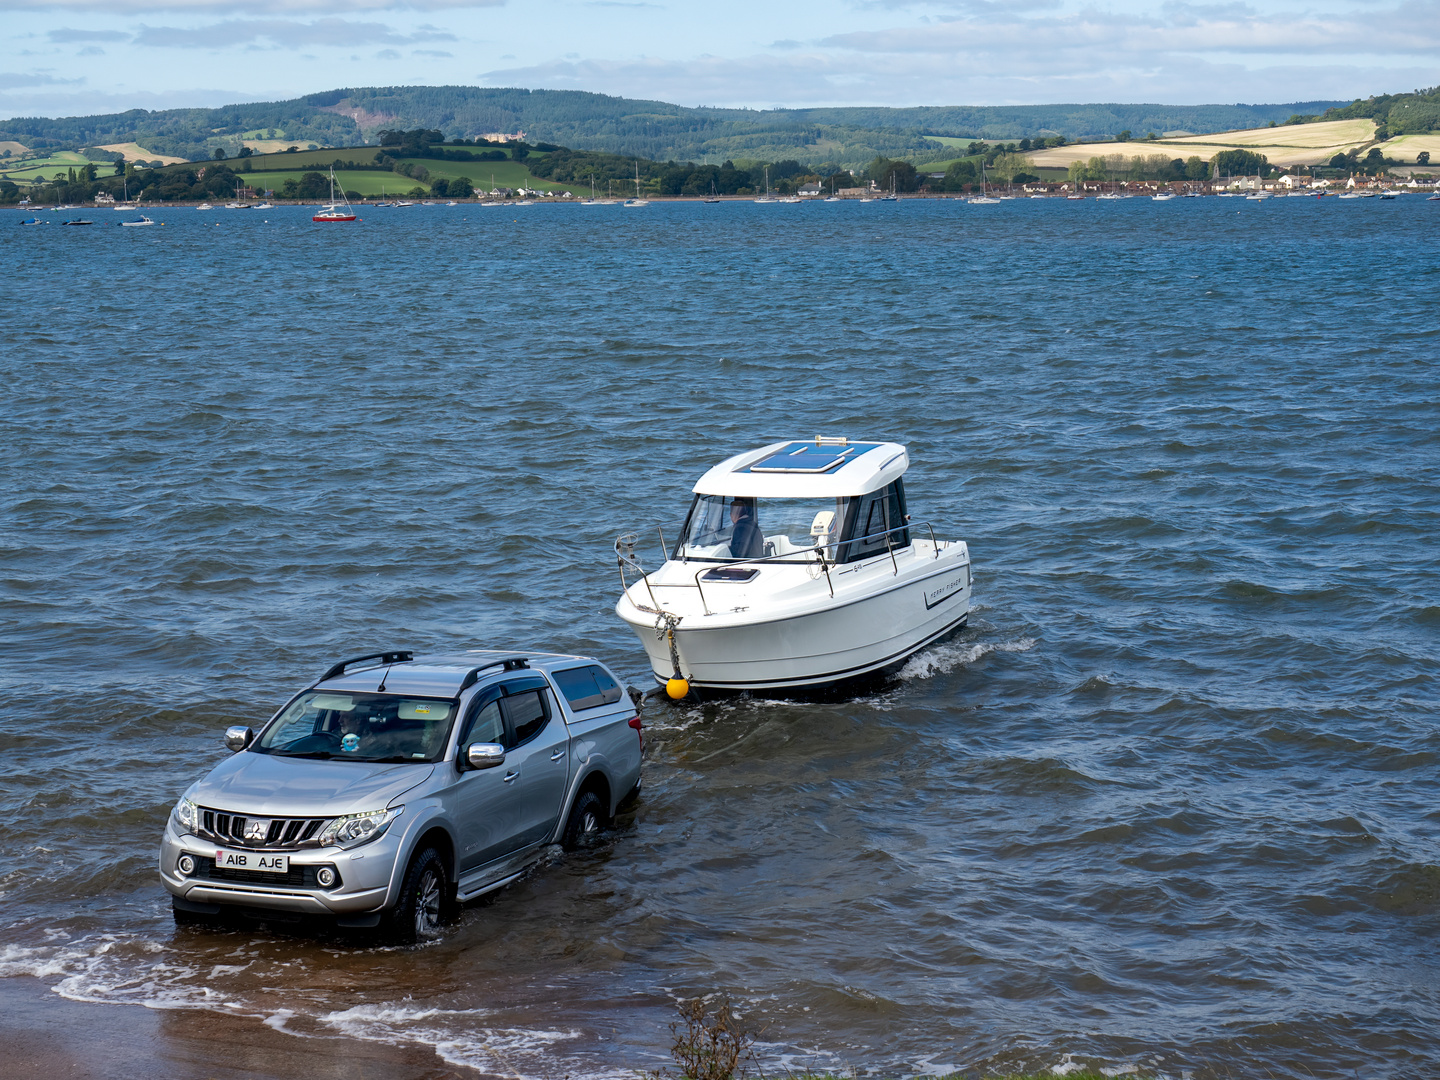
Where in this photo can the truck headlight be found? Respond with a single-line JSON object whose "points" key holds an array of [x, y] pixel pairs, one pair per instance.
{"points": [[360, 828], [186, 815]]}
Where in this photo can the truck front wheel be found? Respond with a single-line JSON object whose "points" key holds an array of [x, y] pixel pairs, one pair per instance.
{"points": [[423, 899]]}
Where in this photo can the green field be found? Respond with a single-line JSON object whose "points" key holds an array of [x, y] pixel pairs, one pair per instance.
{"points": [[511, 174], [269, 171], [30, 169]]}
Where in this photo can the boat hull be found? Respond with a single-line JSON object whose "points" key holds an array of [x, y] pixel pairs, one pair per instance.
{"points": [[844, 639]]}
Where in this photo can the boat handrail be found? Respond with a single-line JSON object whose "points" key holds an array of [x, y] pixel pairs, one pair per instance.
{"points": [[625, 555], [819, 554]]}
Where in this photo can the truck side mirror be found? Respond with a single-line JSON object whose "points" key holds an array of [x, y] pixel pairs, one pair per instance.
{"points": [[484, 755], [237, 738]]}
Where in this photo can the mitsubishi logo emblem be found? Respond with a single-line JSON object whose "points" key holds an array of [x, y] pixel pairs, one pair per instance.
{"points": [[257, 829]]}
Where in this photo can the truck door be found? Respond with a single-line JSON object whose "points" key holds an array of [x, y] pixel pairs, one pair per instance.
{"points": [[536, 766], [480, 795]]}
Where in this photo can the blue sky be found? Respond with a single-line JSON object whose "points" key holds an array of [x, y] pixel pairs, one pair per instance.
{"points": [[68, 57]]}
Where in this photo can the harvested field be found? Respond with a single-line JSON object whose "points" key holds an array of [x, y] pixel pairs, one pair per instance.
{"points": [[1301, 144]]}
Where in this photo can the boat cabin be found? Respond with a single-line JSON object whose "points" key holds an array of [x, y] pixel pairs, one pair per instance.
{"points": [[845, 499]]}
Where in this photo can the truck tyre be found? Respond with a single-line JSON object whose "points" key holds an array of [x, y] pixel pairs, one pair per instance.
{"points": [[424, 897], [587, 817]]}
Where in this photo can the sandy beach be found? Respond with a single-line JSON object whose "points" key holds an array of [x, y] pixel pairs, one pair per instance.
{"points": [[47, 1036]]}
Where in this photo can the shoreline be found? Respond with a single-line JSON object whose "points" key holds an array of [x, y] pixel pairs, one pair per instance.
{"points": [[46, 1035]]}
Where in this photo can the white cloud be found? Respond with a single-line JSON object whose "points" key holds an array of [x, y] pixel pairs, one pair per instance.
{"points": [[286, 33], [802, 53], [818, 78], [92, 102], [211, 7], [66, 35], [16, 80], [1409, 29]]}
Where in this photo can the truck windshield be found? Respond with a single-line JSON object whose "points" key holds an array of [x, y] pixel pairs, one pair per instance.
{"points": [[354, 726], [726, 527]]}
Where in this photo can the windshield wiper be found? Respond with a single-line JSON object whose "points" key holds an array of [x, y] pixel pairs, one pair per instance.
{"points": [[395, 759], [319, 754]]}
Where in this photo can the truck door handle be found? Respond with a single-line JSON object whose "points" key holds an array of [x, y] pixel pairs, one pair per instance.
{"points": [[558, 754], [509, 776]]}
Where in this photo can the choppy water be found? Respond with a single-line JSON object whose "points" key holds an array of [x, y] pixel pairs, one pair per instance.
{"points": [[1170, 801]]}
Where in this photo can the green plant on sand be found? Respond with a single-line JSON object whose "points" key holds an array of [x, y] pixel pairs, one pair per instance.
{"points": [[710, 1046]]}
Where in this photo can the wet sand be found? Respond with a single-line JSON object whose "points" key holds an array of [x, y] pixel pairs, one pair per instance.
{"points": [[47, 1036]]}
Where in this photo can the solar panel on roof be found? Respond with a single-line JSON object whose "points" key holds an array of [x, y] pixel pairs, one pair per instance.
{"points": [[807, 457]]}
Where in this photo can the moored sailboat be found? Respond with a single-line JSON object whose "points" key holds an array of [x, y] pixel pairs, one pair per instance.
{"points": [[334, 211]]}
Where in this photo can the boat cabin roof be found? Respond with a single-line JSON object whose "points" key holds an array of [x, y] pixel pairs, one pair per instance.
{"points": [[800, 468]]}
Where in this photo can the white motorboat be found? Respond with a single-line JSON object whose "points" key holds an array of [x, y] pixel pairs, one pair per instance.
{"points": [[798, 567]]}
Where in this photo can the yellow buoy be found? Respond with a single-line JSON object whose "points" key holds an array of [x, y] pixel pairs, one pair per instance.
{"points": [[677, 688]]}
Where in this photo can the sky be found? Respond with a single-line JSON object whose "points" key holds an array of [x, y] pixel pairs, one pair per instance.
{"points": [[75, 57]]}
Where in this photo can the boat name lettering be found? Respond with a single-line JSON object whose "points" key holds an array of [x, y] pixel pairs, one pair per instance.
{"points": [[945, 591]]}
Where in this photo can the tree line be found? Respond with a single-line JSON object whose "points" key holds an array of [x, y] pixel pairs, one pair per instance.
{"points": [[657, 130]]}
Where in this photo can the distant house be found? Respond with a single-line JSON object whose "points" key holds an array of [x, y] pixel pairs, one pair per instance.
{"points": [[1292, 181], [503, 137], [808, 189]]}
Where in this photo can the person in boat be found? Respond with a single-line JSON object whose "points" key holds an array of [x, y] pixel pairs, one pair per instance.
{"points": [[746, 539]]}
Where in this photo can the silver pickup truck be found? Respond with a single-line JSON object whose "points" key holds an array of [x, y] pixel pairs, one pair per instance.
{"points": [[397, 787]]}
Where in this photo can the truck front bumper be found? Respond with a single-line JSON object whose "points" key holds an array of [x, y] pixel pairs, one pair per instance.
{"points": [[363, 877]]}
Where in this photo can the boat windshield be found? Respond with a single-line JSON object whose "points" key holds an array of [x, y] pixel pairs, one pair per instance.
{"points": [[726, 527], [356, 726]]}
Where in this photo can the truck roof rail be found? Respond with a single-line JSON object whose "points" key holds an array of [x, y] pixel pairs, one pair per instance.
{"points": [[509, 663], [394, 657]]}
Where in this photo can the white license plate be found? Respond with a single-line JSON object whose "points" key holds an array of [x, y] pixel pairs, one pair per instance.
{"points": [[252, 860]]}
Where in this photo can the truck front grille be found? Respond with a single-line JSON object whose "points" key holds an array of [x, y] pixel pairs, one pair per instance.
{"points": [[241, 831]]}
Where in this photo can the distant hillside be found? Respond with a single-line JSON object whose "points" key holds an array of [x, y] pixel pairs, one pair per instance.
{"points": [[650, 129]]}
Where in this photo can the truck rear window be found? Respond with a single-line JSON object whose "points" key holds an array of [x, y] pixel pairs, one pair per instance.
{"points": [[587, 687]]}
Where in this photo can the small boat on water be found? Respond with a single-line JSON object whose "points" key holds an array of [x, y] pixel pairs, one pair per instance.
{"points": [[204, 206], [135, 222], [798, 566], [335, 212], [638, 200], [78, 221], [34, 221]]}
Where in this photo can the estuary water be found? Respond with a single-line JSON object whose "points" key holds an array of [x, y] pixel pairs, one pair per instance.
{"points": [[1170, 803]]}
